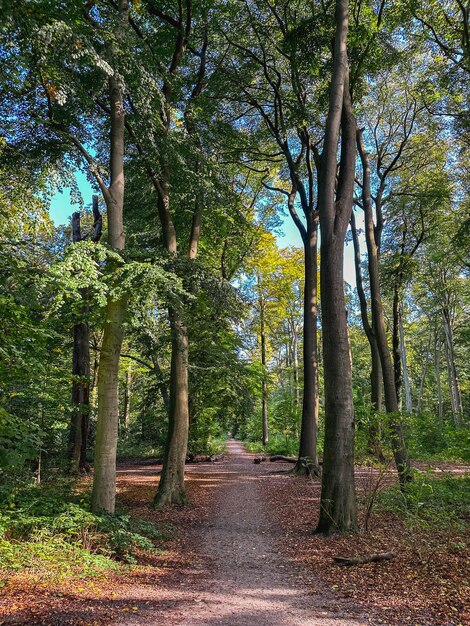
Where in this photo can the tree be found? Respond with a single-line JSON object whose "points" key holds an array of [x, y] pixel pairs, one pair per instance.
{"points": [[335, 201], [81, 358], [275, 85], [104, 476]]}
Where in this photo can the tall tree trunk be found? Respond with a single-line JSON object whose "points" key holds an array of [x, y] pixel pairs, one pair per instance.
{"points": [[376, 367], [80, 371], [104, 478], [126, 411], [378, 324], [81, 360], [437, 358], [295, 366], [423, 376], [338, 498], [171, 488], [454, 390], [80, 394], [264, 383], [308, 459], [404, 364], [396, 344]]}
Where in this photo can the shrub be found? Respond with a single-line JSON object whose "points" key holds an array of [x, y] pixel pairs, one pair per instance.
{"points": [[49, 530], [430, 502]]}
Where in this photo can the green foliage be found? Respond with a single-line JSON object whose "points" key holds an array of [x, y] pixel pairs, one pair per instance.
{"points": [[278, 444], [430, 502], [19, 443], [430, 439], [52, 531]]}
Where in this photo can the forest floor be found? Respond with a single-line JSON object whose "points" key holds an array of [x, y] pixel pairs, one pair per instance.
{"points": [[243, 553]]}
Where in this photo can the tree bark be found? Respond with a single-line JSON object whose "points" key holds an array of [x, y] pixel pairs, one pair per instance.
{"points": [[80, 395], [437, 355], [338, 498], [126, 412], [264, 383], [308, 458], [171, 488], [378, 323], [366, 558], [376, 368], [104, 478], [295, 366], [80, 372], [81, 360], [454, 390], [404, 364], [423, 376]]}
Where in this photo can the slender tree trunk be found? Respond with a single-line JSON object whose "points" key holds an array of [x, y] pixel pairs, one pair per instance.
{"points": [[126, 412], [295, 365], [338, 498], [378, 325], [423, 376], [404, 364], [454, 390], [80, 372], [80, 394], [396, 345], [437, 358], [264, 383], [376, 367], [104, 478], [81, 361], [171, 488], [308, 459]]}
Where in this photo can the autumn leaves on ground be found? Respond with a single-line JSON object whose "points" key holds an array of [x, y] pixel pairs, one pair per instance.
{"points": [[243, 552]]}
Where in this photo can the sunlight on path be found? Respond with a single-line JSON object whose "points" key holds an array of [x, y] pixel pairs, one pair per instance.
{"points": [[248, 581]]}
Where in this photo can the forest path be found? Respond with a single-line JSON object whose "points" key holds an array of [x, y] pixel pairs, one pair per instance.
{"points": [[240, 575], [243, 553]]}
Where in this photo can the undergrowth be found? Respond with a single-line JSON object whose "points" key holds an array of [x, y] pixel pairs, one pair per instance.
{"points": [[278, 444], [430, 503], [50, 532]]}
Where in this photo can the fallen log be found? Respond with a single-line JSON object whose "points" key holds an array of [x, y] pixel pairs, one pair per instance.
{"points": [[285, 459], [259, 459], [360, 560], [203, 458]]}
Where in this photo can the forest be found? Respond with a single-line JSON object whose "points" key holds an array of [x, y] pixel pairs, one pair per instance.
{"points": [[234, 312]]}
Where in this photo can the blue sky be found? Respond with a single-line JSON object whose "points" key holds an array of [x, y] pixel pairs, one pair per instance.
{"points": [[61, 209]]}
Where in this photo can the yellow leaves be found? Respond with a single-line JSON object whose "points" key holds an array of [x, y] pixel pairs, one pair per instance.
{"points": [[51, 91]]}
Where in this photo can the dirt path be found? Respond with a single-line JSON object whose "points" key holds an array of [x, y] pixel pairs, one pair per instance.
{"points": [[241, 576], [250, 581]]}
